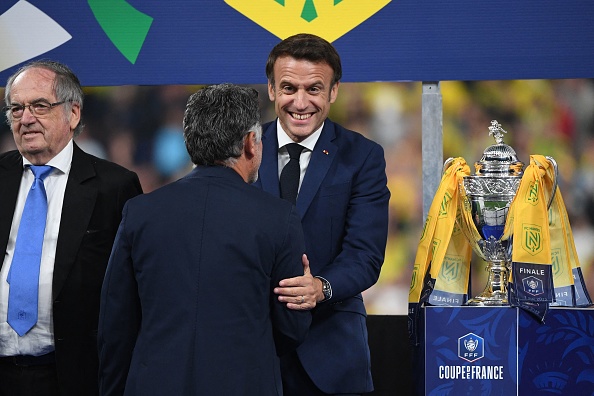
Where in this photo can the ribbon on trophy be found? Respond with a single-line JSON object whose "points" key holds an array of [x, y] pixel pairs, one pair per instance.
{"points": [[442, 262], [544, 264], [531, 280], [544, 259], [565, 261]]}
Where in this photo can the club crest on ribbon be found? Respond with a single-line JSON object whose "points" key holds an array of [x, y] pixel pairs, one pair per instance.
{"points": [[415, 275], [450, 269], [532, 193], [435, 246], [445, 204], [424, 232], [556, 262], [532, 239]]}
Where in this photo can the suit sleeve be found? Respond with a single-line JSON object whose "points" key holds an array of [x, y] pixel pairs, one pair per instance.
{"points": [[130, 188], [119, 316], [358, 264], [290, 326]]}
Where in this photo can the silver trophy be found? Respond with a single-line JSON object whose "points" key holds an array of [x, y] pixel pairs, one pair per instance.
{"points": [[489, 193]]}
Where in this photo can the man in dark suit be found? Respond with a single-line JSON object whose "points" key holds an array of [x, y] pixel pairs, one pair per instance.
{"points": [[187, 306], [343, 204], [85, 198]]}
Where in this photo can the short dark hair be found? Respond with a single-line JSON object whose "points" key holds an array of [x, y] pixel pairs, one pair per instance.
{"points": [[216, 120], [304, 46], [66, 86]]}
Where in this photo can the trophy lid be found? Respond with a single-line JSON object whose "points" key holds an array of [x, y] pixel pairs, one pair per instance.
{"points": [[499, 159]]}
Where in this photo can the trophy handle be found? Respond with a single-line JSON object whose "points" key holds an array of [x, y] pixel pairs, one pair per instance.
{"points": [[555, 182], [451, 159]]}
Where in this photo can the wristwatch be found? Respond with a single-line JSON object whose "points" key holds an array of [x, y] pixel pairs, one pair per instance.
{"points": [[326, 289]]}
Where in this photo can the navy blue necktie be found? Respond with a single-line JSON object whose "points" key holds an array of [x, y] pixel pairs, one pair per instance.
{"points": [[24, 270], [289, 178]]}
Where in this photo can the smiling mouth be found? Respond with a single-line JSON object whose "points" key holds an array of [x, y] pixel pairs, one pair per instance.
{"points": [[300, 116]]}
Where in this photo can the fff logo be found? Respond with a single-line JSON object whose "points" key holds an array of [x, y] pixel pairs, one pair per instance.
{"points": [[471, 347], [533, 285]]}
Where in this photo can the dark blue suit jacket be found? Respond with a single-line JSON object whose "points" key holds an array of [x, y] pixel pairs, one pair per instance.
{"points": [[187, 306], [343, 205]]}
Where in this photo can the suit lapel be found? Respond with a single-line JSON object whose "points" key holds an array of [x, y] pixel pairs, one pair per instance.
{"points": [[10, 179], [321, 158], [268, 172], [79, 201]]}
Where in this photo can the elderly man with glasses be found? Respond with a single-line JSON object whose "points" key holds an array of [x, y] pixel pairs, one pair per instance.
{"points": [[60, 211]]}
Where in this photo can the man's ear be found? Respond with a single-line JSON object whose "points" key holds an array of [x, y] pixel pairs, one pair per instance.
{"points": [[334, 92], [249, 145], [271, 93], [74, 116]]}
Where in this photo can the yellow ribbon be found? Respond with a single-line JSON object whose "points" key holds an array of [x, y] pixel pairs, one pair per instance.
{"points": [[454, 270], [467, 222], [440, 240], [541, 235], [528, 219], [563, 253]]}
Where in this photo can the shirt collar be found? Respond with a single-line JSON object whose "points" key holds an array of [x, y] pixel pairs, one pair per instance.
{"points": [[284, 139], [62, 161]]}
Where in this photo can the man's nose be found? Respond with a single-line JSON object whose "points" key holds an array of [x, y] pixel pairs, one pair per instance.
{"points": [[28, 116], [300, 99]]}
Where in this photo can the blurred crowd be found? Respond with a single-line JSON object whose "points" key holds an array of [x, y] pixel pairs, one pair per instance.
{"points": [[140, 127]]}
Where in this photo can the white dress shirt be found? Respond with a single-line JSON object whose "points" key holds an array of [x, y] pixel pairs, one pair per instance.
{"points": [[39, 340], [283, 158], [283, 155]]}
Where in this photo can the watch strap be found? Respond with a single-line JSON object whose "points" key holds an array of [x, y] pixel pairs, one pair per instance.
{"points": [[326, 288]]}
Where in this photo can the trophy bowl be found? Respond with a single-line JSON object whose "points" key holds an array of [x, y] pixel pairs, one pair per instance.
{"points": [[486, 200], [489, 198]]}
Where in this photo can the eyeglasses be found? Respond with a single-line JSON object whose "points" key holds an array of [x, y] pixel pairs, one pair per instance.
{"points": [[38, 109]]}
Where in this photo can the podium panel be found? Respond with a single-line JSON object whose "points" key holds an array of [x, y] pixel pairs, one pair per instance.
{"points": [[506, 351]]}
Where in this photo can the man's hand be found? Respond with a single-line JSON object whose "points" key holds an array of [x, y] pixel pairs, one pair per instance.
{"points": [[301, 292]]}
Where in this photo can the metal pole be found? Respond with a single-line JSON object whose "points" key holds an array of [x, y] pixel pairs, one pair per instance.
{"points": [[432, 142]]}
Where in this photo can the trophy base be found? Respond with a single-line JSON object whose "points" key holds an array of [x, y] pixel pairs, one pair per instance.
{"points": [[488, 301]]}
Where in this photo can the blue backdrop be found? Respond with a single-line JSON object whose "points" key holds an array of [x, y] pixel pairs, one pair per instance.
{"points": [[150, 42]]}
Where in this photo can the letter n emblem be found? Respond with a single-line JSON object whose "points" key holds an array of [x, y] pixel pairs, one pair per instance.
{"points": [[532, 239], [445, 204], [532, 193]]}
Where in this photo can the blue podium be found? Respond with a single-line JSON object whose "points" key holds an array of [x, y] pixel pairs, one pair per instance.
{"points": [[505, 351]]}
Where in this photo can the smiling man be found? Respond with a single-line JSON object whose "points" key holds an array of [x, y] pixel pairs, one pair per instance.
{"points": [[341, 196]]}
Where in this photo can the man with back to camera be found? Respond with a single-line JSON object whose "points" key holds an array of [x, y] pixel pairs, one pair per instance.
{"points": [[54, 260], [187, 306], [342, 199]]}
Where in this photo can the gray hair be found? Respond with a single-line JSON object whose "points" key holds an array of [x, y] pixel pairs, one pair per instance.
{"points": [[216, 120], [66, 87]]}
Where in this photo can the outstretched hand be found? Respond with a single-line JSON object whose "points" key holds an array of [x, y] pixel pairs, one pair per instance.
{"points": [[300, 292]]}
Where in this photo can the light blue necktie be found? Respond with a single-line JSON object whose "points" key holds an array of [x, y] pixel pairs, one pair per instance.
{"points": [[24, 271]]}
